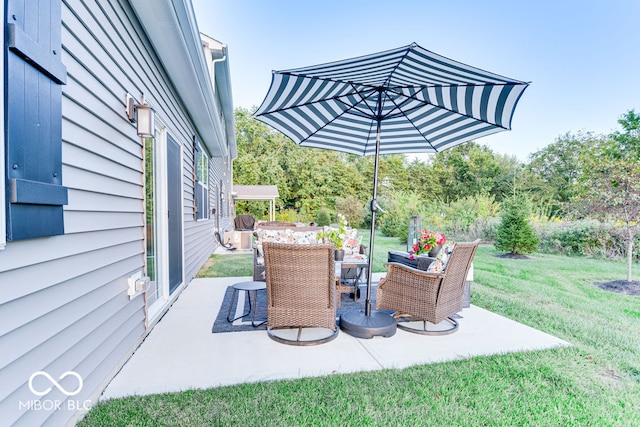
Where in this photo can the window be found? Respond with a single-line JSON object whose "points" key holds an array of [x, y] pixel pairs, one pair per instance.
{"points": [[201, 165]]}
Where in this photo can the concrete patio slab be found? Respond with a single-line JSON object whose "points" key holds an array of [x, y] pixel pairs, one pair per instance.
{"points": [[181, 352]]}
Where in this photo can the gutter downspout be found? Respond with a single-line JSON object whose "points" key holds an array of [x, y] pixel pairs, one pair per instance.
{"points": [[228, 115]]}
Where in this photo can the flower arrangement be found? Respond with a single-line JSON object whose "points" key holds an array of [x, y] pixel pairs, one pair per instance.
{"points": [[334, 236], [428, 240]]}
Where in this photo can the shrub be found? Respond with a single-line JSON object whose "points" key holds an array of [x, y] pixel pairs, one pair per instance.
{"points": [[324, 217], [470, 218], [584, 237], [398, 208], [468, 209], [289, 215], [515, 234], [480, 228], [352, 209], [571, 238]]}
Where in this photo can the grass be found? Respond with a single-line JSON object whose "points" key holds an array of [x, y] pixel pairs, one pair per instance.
{"points": [[596, 382]]}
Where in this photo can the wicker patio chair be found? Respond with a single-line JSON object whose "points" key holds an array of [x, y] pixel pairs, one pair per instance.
{"points": [[425, 297], [301, 292]]}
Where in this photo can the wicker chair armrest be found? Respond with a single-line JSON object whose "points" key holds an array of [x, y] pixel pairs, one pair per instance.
{"points": [[412, 270]]}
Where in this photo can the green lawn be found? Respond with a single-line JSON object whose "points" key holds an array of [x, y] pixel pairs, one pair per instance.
{"points": [[594, 383]]}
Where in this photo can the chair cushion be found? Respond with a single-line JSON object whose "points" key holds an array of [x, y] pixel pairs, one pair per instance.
{"points": [[282, 235], [304, 237], [299, 235]]}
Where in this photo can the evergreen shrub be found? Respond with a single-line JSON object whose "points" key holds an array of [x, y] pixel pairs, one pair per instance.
{"points": [[324, 217], [515, 234]]}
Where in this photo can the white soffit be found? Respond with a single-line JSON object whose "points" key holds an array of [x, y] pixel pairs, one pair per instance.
{"points": [[172, 29]]}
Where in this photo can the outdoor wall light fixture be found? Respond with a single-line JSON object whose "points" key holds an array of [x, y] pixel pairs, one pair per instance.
{"points": [[142, 115]]}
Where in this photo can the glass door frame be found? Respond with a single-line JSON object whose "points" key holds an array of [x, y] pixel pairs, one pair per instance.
{"points": [[155, 308]]}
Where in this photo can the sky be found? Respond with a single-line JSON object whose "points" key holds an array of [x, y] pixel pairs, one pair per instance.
{"points": [[581, 57]]}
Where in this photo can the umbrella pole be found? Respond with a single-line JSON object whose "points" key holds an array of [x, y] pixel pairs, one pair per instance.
{"points": [[377, 323], [374, 208]]}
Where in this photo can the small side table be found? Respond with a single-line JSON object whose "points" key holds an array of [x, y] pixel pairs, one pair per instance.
{"points": [[248, 287], [352, 269]]}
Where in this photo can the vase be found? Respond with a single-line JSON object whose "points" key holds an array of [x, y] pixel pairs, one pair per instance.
{"points": [[339, 254], [435, 251]]}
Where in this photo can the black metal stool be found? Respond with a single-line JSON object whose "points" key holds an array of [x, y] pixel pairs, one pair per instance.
{"points": [[248, 287]]}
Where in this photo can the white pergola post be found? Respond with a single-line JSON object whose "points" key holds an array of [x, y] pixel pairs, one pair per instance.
{"points": [[267, 193]]}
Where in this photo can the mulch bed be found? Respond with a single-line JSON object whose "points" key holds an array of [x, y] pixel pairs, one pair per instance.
{"points": [[621, 287]]}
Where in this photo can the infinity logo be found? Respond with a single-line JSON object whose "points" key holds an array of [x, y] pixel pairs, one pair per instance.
{"points": [[55, 383]]}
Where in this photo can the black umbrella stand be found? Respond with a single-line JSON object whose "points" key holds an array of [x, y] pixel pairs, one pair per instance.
{"points": [[369, 324]]}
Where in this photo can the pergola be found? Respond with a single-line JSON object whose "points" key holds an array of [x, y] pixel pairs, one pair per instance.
{"points": [[267, 193]]}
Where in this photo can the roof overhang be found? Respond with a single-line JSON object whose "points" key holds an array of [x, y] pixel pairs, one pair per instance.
{"points": [[218, 62], [255, 192], [173, 31]]}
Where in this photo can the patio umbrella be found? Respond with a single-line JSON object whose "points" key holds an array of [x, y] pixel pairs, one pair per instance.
{"points": [[404, 100]]}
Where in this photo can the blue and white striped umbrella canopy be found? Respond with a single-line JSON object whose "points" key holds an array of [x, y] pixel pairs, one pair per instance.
{"points": [[424, 102]]}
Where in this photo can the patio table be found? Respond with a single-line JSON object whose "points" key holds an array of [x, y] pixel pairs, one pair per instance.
{"points": [[360, 264]]}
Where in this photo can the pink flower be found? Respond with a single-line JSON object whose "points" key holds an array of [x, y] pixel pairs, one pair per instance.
{"points": [[427, 241]]}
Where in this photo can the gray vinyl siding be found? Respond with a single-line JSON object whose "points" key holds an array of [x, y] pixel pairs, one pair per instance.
{"points": [[217, 175], [63, 300]]}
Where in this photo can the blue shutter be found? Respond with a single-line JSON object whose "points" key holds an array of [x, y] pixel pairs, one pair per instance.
{"points": [[33, 111]]}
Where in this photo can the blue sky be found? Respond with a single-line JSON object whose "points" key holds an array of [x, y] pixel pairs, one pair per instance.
{"points": [[582, 57]]}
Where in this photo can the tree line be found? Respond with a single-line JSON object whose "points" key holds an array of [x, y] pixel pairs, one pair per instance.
{"points": [[580, 176]]}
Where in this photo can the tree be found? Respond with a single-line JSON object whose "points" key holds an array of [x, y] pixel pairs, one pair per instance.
{"points": [[258, 160], [515, 235], [611, 181], [629, 140], [469, 169], [557, 168], [307, 178]]}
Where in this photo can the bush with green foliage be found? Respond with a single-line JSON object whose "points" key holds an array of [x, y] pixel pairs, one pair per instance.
{"points": [[485, 229], [352, 209], [324, 217], [515, 234], [585, 237], [399, 207], [468, 218]]}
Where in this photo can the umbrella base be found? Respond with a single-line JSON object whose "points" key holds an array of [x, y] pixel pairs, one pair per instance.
{"points": [[359, 325]]}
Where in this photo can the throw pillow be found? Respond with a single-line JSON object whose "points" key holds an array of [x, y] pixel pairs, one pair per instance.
{"points": [[435, 267], [445, 253], [351, 244]]}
